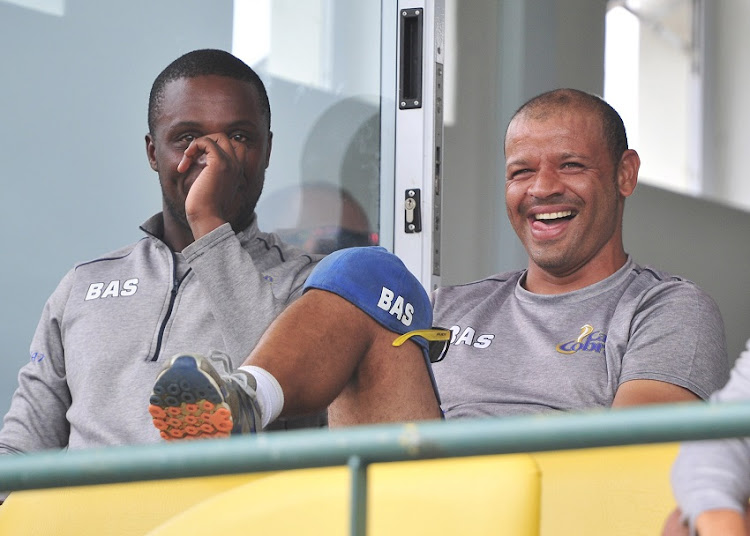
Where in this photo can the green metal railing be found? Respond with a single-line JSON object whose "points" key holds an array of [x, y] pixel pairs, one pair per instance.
{"points": [[360, 446]]}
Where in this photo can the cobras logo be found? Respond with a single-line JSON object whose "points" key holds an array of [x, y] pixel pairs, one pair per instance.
{"points": [[588, 341]]}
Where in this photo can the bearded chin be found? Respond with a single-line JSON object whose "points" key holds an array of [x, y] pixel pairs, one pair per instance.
{"points": [[244, 215], [239, 220], [176, 212]]}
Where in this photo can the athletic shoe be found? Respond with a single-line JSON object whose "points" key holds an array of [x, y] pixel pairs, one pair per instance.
{"points": [[191, 400]]}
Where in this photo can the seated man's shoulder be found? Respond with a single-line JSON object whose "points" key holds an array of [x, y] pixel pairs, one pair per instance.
{"points": [[650, 279], [92, 272], [123, 253], [453, 301], [480, 287], [665, 291], [270, 251]]}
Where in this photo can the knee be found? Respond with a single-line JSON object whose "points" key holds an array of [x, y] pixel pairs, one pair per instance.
{"points": [[378, 283]]}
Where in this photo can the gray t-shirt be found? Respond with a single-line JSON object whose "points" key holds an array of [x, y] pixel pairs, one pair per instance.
{"points": [[710, 475], [514, 352]]}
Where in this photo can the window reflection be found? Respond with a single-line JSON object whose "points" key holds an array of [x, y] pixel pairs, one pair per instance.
{"points": [[318, 217], [323, 185]]}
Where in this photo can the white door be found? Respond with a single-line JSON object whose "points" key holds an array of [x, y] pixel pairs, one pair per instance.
{"points": [[355, 89]]}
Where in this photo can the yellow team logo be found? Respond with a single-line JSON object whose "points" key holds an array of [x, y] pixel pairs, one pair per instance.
{"points": [[589, 340]]}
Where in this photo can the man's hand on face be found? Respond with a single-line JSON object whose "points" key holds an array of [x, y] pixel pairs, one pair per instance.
{"points": [[218, 162]]}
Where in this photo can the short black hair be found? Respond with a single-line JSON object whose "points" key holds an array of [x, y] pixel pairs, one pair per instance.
{"points": [[205, 62], [551, 101]]}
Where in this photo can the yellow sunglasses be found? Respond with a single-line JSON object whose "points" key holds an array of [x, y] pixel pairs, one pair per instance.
{"points": [[438, 341]]}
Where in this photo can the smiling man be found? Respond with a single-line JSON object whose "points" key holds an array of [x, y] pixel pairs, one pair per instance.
{"points": [[584, 325]]}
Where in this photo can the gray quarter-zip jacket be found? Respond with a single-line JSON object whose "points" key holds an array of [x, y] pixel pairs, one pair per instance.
{"points": [[112, 323]]}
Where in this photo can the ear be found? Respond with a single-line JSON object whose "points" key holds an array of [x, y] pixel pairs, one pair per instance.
{"points": [[627, 172], [268, 150], [151, 152]]}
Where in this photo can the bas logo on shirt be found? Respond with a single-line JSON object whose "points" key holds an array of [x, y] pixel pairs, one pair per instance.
{"points": [[400, 308], [469, 337], [114, 289]]}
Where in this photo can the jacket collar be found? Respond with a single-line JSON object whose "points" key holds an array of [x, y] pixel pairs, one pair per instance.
{"points": [[154, 226]]}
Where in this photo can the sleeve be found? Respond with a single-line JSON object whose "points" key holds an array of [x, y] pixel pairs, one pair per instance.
{"points": [[37, 418], [243, 300], [715, 474], [677, 336]]}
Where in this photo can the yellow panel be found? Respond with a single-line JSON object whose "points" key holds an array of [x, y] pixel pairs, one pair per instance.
{"points": [[483, 495], [112, 509], [617, 491], [478, 496], [308, 501]]}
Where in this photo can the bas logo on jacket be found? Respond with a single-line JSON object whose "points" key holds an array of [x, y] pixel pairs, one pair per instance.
{"points": [[113, 289]]}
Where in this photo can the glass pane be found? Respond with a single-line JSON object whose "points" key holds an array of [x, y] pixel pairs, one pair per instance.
{"points": [[75, 94], [75, 178], [320, 60]]}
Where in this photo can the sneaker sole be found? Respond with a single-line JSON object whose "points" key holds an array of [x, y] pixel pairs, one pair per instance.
{"points": [[187, 403]]}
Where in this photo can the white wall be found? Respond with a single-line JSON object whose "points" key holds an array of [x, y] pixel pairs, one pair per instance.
{"points": [[727, 107], [507, 53], [470, 147]]}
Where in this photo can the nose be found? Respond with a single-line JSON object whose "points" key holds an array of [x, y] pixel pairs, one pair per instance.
{"points": [[545, 184]]}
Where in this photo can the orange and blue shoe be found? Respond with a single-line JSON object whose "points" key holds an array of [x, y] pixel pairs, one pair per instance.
{"points": [[191, 400]]}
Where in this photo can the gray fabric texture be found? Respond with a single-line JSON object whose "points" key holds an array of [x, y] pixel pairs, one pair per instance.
{"points": [[513, 352], [710, 475], [112, 322]]}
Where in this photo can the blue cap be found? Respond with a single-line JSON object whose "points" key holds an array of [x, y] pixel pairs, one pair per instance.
{"points": [[378, 283]]}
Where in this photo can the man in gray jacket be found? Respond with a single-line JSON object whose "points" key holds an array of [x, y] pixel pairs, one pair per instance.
{"points": [[204, 278]]}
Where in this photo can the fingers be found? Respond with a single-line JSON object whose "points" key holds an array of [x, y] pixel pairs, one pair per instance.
{"points": [[208, 150], [217, 165]]}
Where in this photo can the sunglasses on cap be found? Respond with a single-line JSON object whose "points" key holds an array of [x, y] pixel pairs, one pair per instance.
{"points": [[438, 340]]}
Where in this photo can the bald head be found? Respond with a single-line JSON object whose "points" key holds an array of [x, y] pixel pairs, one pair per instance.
{"points": [[565, 100]]}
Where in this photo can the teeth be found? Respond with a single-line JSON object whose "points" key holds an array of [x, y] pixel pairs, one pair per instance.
{"points": [[553, 215]]}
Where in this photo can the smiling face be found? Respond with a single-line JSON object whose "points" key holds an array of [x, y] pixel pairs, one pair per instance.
{"points": [[195, 107], [564, 196]]}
